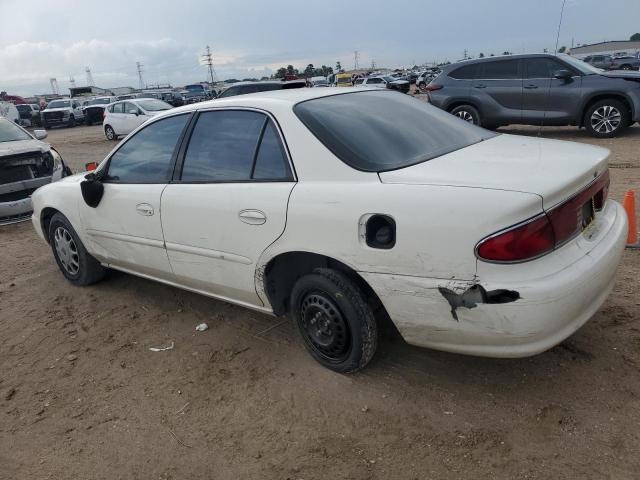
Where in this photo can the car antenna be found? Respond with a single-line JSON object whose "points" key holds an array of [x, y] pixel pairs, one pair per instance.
{"points": [[546, 102]]}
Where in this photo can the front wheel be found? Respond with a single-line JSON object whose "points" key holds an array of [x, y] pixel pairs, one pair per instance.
{"points": [[336, 322], [72, 122], [607, 118], [467, 113], [75, 263]]}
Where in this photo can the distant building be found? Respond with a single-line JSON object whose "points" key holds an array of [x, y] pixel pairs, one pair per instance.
{"points": [[122, 90], [621, 48], [88, 91]]}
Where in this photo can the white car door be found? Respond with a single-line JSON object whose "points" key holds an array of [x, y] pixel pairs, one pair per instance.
{"points": [[117, 118], [133, 117], [77, 110], [125, 229], [228, 202]]}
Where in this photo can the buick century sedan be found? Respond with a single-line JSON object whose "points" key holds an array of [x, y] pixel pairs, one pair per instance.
{"points": [[326, 205]]}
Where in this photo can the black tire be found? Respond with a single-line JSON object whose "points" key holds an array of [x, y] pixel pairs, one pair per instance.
{"points": [[110, 133], [607, 118], [75, 263], [335, 321], [72, 122], [467, 113], [45, 125], [88, 121]]}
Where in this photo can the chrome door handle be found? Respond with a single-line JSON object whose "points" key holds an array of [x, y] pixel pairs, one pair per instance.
{"points": [[252, 217], [530, 86], [144, 209], [480, 85]]}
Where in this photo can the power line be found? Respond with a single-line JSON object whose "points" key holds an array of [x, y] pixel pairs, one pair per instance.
{"points": [[207, 58], [139, 68]]}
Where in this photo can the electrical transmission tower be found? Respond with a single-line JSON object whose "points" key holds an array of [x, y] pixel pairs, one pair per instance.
{"points": [[356, 57], [207, 59], [140, 81], [54, 86], [87, 70], [72, 81], [373, 64]]}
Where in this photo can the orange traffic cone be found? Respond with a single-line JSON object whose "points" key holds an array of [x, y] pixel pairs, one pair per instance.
{"points": [[629, 204]]}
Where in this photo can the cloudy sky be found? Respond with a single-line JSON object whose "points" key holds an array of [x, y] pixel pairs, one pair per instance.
{"points": [[40, 39]]}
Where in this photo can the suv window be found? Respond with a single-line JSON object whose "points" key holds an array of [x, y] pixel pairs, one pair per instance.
{"points": [[351, 126], [373, 81], [146, 157], [542, 67], [359, 81], [222, 146], [468, 72], [500, 70]]}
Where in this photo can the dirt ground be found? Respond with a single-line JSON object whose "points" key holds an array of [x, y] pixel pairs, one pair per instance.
{"points": [[82, 396]]}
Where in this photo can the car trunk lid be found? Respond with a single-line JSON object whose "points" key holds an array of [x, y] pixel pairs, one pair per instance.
{"points": [[554, 170]]}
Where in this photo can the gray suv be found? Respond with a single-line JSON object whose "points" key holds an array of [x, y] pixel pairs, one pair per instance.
{"points": [[538, 90]]}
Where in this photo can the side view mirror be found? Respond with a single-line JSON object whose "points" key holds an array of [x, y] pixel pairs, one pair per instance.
{"points": [[92, 190], [562, 75], [134, 112], [40, 134]]}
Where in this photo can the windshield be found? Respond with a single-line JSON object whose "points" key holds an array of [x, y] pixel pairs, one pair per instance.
{"points": [[59, 104], [581, 66], [10, 132], [390, 79], [195, 88], [320, 82], [24, 108], [99, 101], [376, 131], [343, 80], [154, 105]]}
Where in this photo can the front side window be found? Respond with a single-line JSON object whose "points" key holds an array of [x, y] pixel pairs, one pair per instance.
{"points": [[410, 132], [118, 108], [501, 70], [130, 108], [542, 67], [234, 146], [146, 157]]}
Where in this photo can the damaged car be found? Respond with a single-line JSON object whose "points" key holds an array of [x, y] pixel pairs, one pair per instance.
{"points": [[308, 203], [26, 163]]}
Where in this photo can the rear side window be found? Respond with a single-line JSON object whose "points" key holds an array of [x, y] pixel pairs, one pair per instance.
{"points": [[146, 157], [468, 72], [234, 146], [500, 70], [229, 92], [408, 132]]}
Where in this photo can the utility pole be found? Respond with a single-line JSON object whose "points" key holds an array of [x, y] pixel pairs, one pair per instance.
{"points": [[207, 59], [356, 57], [87, 70], [72, 81], [54, 86], [466, 54], [140, 81], [373, 64]]}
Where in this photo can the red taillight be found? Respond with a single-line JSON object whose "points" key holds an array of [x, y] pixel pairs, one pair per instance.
{"points": [[549, 230], [433, 87], [104, 114], [526, 241]]}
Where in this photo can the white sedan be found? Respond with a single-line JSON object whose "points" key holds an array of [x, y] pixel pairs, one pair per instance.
{"points": [[121, 118], [324, 205]]}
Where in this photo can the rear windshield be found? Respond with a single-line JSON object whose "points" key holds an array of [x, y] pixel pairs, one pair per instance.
{"points": [[153, 105], [385, 130]]}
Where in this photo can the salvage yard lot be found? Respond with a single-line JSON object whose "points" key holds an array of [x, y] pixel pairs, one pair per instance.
{"points": [[82, 396]]}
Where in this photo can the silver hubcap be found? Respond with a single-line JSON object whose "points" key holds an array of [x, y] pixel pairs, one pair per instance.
{"points": [[109, 133], [66, 250], [605, 119], [464, 115]]}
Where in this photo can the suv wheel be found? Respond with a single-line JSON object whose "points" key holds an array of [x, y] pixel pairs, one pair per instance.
{"points": [[334, 319], [75, 263], [72, 121], [467, 113], [110, 133], [606, 118]]}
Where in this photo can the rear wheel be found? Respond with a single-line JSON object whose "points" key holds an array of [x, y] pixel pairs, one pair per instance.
{"points": [[467, 113], [607, 118], [72, 121], [110, 133], [336, 323], [75, 263]]}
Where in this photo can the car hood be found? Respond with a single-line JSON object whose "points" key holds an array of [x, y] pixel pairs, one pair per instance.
{"points": [[22, 146], [552, 169], [399, 82], [62, 109], [627, 74]]}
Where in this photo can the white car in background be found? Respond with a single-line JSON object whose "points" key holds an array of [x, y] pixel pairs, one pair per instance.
{"points": [[309, 203], [123, 117]]}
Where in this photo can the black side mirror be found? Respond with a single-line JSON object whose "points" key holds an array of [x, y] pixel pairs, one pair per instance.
{"points": [[92, 190], [563, 75]]}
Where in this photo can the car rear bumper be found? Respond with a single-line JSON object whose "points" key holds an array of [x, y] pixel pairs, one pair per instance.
{"points": [[557, 297]]}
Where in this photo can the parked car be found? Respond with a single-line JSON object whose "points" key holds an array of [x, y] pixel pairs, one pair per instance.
{"points": [[123, 117], [384, 82], [242, 88], [65, 112], [470, 241], [608, 62], [29, 115], [94, 110], [26, 163], [538, 90], [425, 77], [319, 81]]}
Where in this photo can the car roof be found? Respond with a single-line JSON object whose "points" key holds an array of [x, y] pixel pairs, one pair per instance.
{"points": [[448, 68]]}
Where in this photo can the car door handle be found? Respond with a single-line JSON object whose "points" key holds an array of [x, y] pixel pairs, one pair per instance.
{"points": [[480, 85], [252, 217], [530, 86], [144, 209]]}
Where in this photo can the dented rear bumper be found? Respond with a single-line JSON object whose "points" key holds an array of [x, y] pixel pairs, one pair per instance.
{"points": [[510, 310]]}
